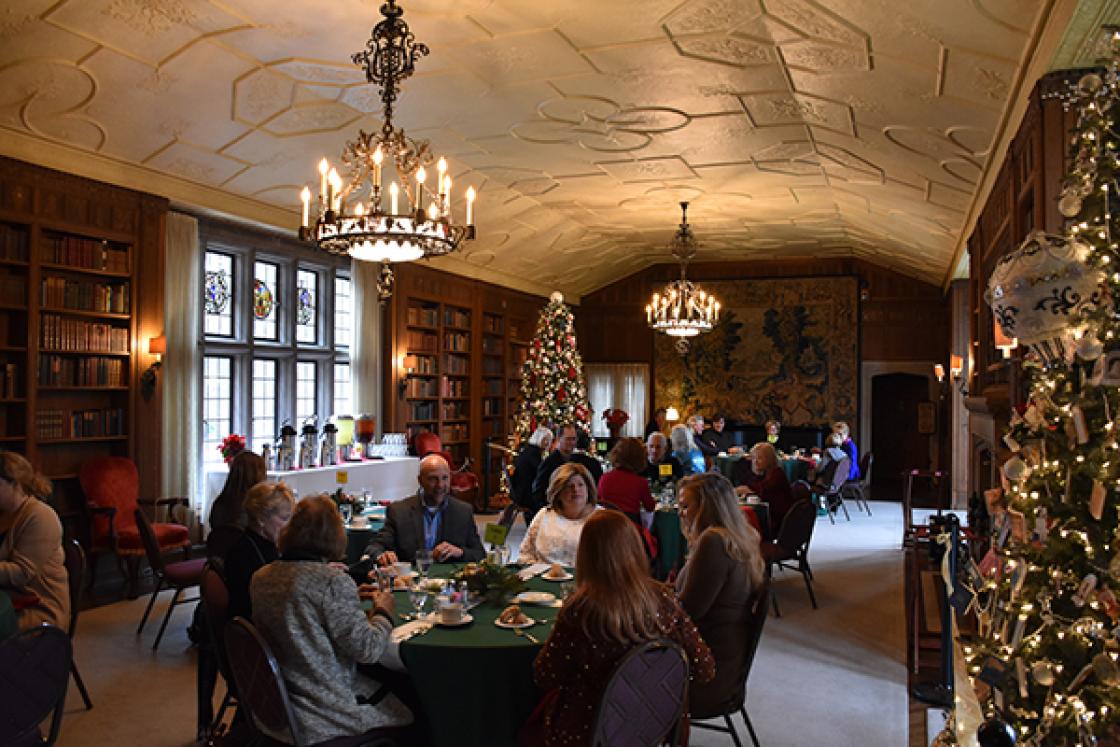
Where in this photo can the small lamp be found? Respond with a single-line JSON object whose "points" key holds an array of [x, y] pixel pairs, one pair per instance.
{"points": [[407, 367], [157, 346], [671, 414]]}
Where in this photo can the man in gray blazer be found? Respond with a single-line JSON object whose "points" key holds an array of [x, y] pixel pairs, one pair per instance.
{"points": [[430, 519]]}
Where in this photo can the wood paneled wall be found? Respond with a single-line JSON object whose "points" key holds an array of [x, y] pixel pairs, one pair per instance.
{"points": [[902, 319]]}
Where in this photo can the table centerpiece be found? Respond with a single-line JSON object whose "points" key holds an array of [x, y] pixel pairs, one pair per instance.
{"points": [[497, 584]]}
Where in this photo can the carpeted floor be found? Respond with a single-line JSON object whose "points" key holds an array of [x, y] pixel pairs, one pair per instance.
{"points": [[833, 676]]}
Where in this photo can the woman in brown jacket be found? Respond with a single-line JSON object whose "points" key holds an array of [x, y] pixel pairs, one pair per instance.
{"points": [[32, 563], [724, 568]]}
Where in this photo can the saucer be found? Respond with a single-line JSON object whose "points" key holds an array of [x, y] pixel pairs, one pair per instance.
{"points": [[566, 577], [536, 597], [516, 626], [434, 619]]}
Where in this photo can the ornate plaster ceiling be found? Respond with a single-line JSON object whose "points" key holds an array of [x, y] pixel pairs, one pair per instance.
{"points": [[795, 127]]}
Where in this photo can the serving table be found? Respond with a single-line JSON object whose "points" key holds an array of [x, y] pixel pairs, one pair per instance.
{"points": [[387, 479], [476, 681]]}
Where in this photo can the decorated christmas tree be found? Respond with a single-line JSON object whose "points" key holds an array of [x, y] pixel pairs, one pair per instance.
{"points": [[1046, 594], [552, 387]]}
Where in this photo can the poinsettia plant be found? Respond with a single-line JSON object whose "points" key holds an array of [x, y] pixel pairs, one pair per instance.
{"points": [[615, 417], [231, 446]]}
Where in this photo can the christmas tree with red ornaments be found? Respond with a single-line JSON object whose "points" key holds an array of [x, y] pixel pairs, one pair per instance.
{"points": [[553, 392]]}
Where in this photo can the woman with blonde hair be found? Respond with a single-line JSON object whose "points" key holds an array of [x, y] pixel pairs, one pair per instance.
{"points": [[268, 507], [724, 568], [32, 563], [685, 450], [763, 476], [615, 606], [848, 446], [553, 536]]}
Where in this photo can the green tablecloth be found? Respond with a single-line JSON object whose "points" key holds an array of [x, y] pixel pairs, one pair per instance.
{"points": [[671, 545], [795, 469], [476, 681]]}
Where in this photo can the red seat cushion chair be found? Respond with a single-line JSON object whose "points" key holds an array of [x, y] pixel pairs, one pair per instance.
{"points": [[464, 483]]}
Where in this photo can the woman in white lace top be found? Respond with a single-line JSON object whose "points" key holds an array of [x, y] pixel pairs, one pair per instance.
{"points": [[553, 537]]}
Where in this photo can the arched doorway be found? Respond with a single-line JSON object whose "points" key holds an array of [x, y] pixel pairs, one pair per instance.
{"points": [[896, 439]]}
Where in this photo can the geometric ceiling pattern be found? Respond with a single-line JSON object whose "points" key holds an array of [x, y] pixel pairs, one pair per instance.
{"points": [[794, 127]]}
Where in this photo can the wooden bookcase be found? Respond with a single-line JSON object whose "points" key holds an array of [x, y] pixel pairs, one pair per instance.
{"points": [[73, 323], [458, 344]]}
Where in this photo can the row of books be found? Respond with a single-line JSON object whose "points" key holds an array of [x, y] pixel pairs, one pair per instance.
{"points": [[88, 253], [453, 387], [54, 370], [421, 341], [425, 316], [13, 242], [450, 433], [421, 388], [422, 411], [491, 407], [456, 318], [455, 410], [492, 324], [9, 381], [456, 365], [492, 345], [457, 342], [61, 333], [81, 295], [59, 424]]}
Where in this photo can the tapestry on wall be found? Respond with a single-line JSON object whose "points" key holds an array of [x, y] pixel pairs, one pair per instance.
{"points": [[784, 349]]}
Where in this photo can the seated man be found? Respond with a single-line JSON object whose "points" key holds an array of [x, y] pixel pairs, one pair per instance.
{"points": [[657, 454], [718, 438], [428, 520]]}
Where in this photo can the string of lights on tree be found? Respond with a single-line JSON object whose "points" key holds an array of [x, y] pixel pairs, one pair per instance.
{"points": [[553, 392], [1044, 661]]}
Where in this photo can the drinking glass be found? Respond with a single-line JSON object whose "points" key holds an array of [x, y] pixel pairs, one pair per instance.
{"points": [[419, 597], [423, 561], [347, 511]]}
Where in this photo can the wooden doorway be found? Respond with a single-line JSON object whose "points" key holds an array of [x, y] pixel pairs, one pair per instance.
{"points": [[895, 438]]}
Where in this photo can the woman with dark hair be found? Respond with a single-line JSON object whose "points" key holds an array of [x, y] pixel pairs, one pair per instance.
{"points": [[624, 487], [32, 563], [246, 470], [554, 534], [309, 612], [268, 506], [615, 607], [657, 423], [724, 568]]}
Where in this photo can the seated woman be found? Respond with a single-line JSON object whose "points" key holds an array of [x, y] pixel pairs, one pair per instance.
{"points": [[554, 534], [767, 480], [624, 487], [724, 568], [849, 447], [685, 450], [268, 507], [309, 612], [773, 431], [227, 513], [615, 606], [32, 563]]}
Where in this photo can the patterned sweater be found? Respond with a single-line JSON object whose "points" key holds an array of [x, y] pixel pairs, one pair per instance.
{"points": [[310, 615]]}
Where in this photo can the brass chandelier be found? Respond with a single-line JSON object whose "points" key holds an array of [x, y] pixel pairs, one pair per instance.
{"points": [[358, 215], [682, 310]]}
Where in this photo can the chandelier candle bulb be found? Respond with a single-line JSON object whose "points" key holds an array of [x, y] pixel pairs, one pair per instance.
{"points": [[445, 207], [470, 206], [394, 194], [421, 175], [305, 198], [378, 157], [324, 167]]}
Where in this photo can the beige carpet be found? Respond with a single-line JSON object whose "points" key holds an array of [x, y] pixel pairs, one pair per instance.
{"points": [[834, 676]]}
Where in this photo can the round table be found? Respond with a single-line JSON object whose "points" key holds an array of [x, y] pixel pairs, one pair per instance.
{"points": [[476, 681], [795, 468]]}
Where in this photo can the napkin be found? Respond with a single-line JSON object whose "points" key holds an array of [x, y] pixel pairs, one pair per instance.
{"points": [[534, 570], [408, 630]]}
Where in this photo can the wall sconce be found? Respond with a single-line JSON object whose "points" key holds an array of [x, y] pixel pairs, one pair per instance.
{"points": [[957, 371], [157, 346], [671, 415], [1003, 343], [406, 366]]}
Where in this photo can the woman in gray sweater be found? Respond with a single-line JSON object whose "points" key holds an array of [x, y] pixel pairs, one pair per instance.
{"points": [[724, 568], [309, 612]]}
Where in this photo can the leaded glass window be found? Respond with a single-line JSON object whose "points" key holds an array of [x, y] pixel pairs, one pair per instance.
{"points": [[343, 390], [307, 306], [305, 392], [264, 428], [217, 294], [343, 313], [217, 404], [265, 300]]}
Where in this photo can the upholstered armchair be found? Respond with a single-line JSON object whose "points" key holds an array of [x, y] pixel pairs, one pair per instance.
{"points": [[464, 483], [112, 489]]}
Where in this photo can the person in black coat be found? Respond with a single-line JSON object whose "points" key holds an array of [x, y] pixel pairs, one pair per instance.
{"points": [[564, 446], [268, 506], [657, 454], [525, 466], [583, 455]]}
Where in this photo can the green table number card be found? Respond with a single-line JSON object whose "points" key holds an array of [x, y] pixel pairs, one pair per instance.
{"points": [[342, 477], [495, 534], [665, 470]]}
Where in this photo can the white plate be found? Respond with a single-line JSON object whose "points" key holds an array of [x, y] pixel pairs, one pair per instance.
{"points": [[536, 597], [566, 577], [434, 619], [516, 626]]}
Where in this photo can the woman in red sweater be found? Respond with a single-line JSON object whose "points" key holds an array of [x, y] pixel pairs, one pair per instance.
{"points": [[624, 487], [769, 482], [615, 606]]}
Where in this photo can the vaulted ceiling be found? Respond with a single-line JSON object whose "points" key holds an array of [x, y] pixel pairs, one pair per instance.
{"points": [[795, 127]]}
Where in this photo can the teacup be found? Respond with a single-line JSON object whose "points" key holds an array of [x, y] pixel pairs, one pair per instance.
{"points": [[403, 567], [752, 498], [451, 613]]}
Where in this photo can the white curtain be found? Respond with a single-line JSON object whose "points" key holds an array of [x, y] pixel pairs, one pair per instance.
{"points": [[621, 386], [365, 360], [180, 375]]}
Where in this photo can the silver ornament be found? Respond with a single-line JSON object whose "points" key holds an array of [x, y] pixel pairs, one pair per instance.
{"points": [[1015, 469], [1043, 673], [1089, 348], [1069, 205], [1090, 83]]}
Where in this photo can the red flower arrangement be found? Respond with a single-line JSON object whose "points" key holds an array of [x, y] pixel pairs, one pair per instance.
{"points": [[615, 418], [231, 446]]}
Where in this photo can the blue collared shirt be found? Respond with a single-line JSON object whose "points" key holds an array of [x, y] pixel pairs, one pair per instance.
{"points": [[433, 520]]}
